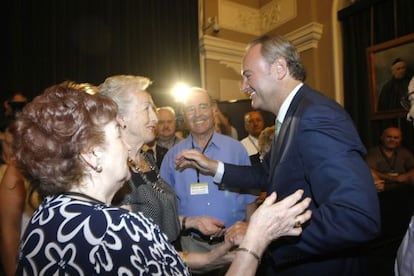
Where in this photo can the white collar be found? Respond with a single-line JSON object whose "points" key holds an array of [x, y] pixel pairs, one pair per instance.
{"points": [[286, 103], [252, 137]]}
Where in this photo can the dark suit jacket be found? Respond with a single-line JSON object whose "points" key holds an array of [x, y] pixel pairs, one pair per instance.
{"points": [[318, 150], [159, 152]]}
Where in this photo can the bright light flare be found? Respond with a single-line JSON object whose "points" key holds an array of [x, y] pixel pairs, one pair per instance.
{"points": [[180, 92]]}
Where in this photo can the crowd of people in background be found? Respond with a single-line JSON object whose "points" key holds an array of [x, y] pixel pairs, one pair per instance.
{"points": [[84, 173]]}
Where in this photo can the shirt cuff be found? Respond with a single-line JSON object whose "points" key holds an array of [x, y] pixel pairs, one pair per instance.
{"points": [[218, 177]]}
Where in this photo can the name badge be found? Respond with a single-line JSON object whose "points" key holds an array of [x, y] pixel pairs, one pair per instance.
{"points": [[393, 174], [199, 188]]}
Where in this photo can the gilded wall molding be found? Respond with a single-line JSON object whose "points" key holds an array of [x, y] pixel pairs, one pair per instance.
{"points": [[306, 37], [226, 52], [244, 19], [230, 53]]}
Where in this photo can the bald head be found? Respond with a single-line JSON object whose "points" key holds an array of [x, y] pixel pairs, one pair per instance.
{"points": [[253, 123], [166, 123]]}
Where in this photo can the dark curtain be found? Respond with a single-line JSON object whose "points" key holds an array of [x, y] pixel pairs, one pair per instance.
{"points": [[367, 23], [48, 41]]}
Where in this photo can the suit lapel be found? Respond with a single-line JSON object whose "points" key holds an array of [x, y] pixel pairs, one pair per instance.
{"points": [[281, 145]]}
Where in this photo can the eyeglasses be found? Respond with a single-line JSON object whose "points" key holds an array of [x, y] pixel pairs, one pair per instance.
{"points": [[405, 101], [202, 108]]}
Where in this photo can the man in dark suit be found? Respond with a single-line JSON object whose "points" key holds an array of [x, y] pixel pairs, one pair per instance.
{"points": [[317, 149]]}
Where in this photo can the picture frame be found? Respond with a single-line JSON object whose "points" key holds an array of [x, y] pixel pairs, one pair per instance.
{"points": [[380, 60]]}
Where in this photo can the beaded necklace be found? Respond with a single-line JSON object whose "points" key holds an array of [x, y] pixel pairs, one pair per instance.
{"points": [[152, 167]]}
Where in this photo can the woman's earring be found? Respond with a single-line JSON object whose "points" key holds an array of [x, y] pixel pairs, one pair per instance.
{"points": [[124, 126], [98, 168]]}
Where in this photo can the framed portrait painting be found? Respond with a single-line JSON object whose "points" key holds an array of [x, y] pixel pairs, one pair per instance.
{"points": [[390, 67]]}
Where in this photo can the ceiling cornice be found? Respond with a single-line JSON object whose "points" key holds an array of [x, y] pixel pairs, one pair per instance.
{"points": [[230, 53]]}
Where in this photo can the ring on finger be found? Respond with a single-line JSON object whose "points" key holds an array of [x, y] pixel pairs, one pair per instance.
{"points": [[298, 224]]}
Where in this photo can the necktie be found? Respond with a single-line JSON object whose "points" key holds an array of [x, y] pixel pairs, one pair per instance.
{"points": [[151, 153], [277, 127], [273, 150]]}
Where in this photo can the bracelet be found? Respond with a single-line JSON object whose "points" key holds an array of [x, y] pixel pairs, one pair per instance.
{"points": [[184, 256], [250, 252], [183, 224]]}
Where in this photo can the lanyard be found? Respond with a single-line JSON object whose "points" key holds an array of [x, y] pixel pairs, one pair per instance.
{"points": [[390, 161], [204, 149], [251, 141]]}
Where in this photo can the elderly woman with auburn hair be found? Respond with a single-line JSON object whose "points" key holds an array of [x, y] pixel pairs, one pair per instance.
{"points": [[68, 144]]}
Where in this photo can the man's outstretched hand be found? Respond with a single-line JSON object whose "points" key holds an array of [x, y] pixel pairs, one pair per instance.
{"points": [[196, 160]]}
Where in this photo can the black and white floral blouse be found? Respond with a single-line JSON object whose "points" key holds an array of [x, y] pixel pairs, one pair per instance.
{"points": [[68, 236]]}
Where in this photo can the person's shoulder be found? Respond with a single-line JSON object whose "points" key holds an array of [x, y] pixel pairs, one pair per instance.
{"points": [[405, 151], [117, 214], [245, 139], [318, 98], [221, 138], [228, 144], [374, 150], [178, 139], [183, 144], [308, 97], [314, 103], [234, 133]]}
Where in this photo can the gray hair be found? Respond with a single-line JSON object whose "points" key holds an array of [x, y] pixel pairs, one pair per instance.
{"points": [[166, 108], [274, 47], [119, 88], [196, 89]]}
